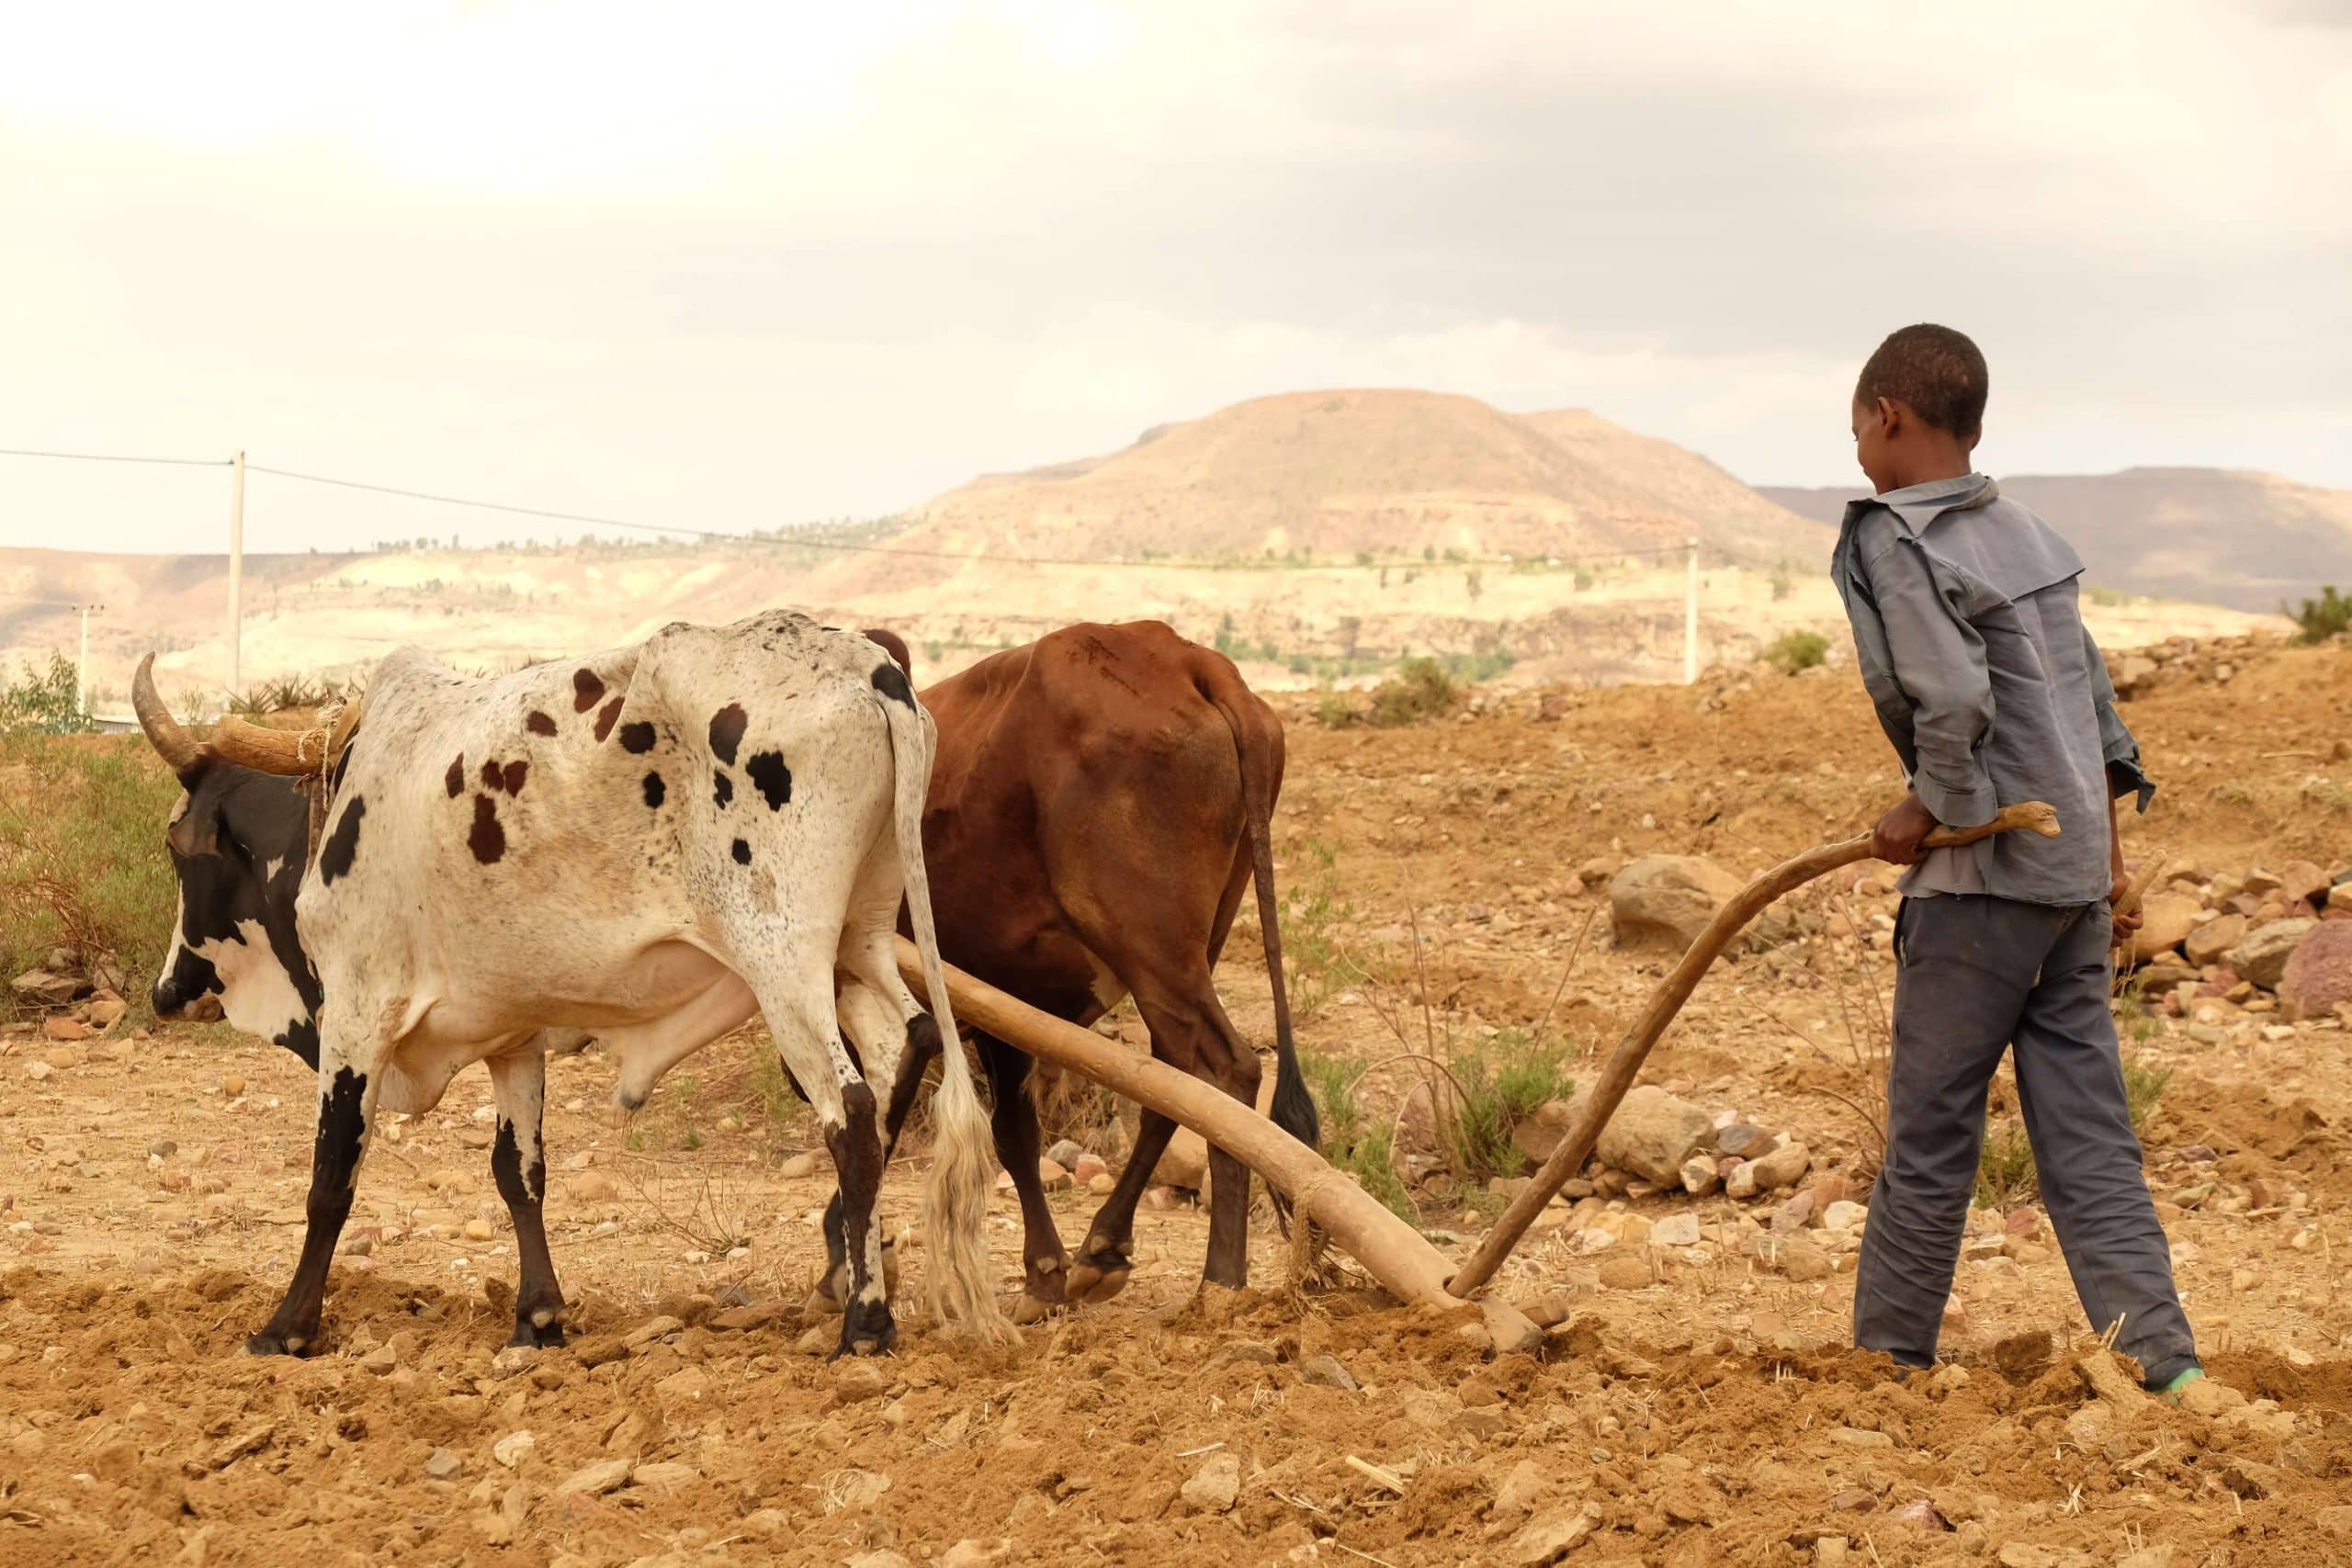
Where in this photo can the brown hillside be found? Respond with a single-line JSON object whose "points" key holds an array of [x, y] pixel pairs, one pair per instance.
{"points": [[2250, 541], [1654, 475], [1395, 473]]}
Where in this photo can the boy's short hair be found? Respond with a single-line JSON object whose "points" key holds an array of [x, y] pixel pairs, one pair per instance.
{"points": [[1936, 370]]}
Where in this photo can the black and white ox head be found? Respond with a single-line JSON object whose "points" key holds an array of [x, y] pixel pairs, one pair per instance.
{"points": [[239, 840]]}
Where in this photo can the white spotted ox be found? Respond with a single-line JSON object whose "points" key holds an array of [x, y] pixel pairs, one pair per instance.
{"points": [[652, 844]]}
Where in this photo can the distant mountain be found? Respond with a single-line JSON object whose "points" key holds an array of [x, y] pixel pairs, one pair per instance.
{"points": [[1179, 525], [1335, 473], [2249, 541]]}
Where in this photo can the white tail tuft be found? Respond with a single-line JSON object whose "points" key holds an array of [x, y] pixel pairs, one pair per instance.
{"points": [[957, 1278]]}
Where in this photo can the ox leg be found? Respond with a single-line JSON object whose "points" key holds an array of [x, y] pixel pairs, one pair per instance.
{"points": [[802, 1018], [1103, 1266], [347, 1111], [519, 1164], [1013, 1115], [1228, 1259], [1189, 1031], [856, 1148], [866, 1014]]}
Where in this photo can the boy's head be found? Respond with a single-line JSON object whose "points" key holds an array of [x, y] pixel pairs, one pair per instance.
{"points": [[1919, 407]]}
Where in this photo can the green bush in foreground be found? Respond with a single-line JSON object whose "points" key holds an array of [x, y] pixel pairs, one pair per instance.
{"points": [[82, 858], [1500, 1085]]}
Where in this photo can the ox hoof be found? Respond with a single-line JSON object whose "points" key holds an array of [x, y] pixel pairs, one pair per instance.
{"points": [[1098, 1278], [1049, 1282], [1032, 1308], [866, 1330], [541, 1330], [276, 1341]]}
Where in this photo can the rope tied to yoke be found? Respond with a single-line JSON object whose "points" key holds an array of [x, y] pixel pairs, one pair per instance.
{"points": [[317, 781]]}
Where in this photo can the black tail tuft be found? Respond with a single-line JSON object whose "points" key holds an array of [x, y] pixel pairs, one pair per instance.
{"points": [[1293, 1107]]}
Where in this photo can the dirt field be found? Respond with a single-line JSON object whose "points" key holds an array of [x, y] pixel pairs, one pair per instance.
{"points": [[1700, 1409]]}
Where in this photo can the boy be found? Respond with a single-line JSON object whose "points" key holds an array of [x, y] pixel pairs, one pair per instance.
{"points": [[1967, 633]]}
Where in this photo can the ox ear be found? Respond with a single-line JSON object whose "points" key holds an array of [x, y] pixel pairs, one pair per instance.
{"points": [[894, 645], [192, 831]]}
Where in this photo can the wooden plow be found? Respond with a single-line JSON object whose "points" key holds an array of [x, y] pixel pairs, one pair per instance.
{"points": [[1389, 1249]]}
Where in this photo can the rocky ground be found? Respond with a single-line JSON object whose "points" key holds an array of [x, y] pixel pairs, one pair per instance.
{"points": [[1450, 893]]}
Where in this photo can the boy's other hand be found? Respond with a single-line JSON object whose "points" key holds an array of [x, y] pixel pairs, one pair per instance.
{"points": [[1896, 838], [2126, 926]]}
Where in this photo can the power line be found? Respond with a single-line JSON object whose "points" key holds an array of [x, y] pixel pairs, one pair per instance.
{"points": [[116, 457], [596, 522], [910, 552]]}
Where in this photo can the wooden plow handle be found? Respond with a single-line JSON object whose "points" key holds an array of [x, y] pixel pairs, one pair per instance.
{"points": [[1625, 1063]]}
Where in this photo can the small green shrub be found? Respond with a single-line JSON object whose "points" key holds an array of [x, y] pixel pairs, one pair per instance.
{"points": [[1313, 909], [42, 702], [1419, 690], [286, 694], [2143, 1085], [674, 1122], [2328, 616], [1366, 1153], [2005, 1173], [780, 1108], [1476, 667], [2330, 794], [1795, 650], [1500, 1086]]}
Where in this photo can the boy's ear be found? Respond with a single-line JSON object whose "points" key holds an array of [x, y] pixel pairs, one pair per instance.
{"points": [[1894, 415]]}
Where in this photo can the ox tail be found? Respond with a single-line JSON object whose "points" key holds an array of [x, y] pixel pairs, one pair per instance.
{"points": [[1261, 763], [956, 1280]]}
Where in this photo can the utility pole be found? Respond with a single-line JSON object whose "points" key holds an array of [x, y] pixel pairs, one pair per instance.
{"points": [[236, 571], [1690, 620], [82, 665]]}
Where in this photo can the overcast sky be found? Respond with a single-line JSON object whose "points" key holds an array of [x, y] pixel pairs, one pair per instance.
{"points": [[747, 265]]}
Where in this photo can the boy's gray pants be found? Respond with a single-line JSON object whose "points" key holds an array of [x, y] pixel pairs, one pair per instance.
{"points": [[1975, 975]]}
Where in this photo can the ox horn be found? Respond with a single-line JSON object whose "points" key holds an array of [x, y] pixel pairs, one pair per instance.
{"points": [[282, 751], [171, 742]]}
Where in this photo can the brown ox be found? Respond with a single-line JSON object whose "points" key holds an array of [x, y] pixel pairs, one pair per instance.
{"points": [[1099, 801]]}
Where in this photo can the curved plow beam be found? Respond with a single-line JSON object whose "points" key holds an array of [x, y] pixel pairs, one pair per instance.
{"points": [[1388, 1248]]}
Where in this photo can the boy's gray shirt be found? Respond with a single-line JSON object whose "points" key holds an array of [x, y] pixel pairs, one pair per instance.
{"points": [[1972, 645]]}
